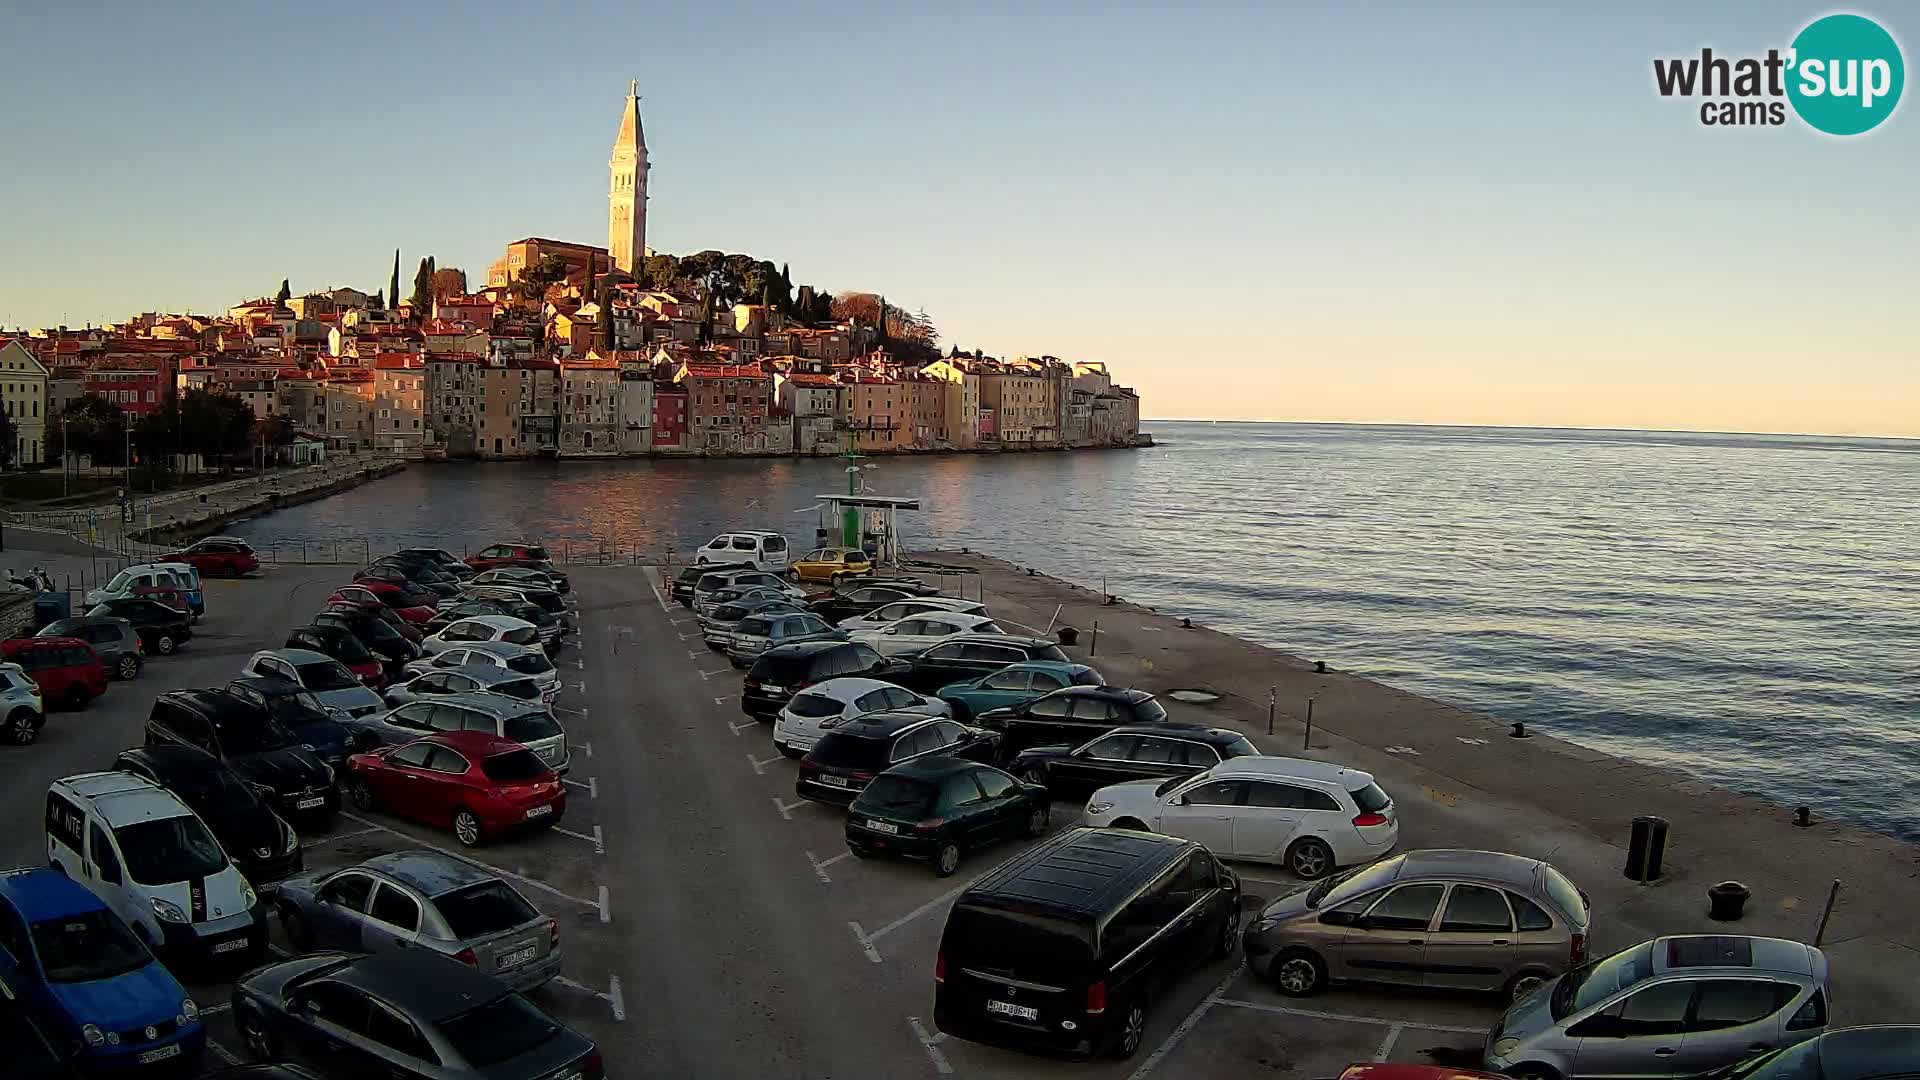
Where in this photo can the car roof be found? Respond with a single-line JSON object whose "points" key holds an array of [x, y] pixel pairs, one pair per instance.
{"points": [[296, 657], [218, 705], [493, 704], [1863, 1053], [1691, 951], [173, 758], [123, 798], [1212, 736], [17, 644], [880, 725], [482, 673], [1293, 768], [73, 621], [747, 532], [805, 648], [41, 892], [955, 618], [431, 872], [1516, 870], [1018, 641], [1080, 871], [506, 650], [1127, 694], [845, 689], [497, 622], [420, 982], [269, 687]]}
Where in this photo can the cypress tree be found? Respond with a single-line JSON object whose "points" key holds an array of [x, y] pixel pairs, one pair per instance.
{"points": [[393, 284]]}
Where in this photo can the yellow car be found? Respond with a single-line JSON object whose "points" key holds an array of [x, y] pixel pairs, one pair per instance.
{"points": [[832, 564]]}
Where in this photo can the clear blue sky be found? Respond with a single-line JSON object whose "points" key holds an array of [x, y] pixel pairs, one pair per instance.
{"points": [[1445, 213]]}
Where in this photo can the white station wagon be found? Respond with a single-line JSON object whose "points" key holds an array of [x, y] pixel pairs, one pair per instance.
{"points": [[927, 629]]}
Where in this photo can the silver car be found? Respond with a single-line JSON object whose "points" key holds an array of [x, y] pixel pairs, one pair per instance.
{"points": [[525, 722], [756, 634], [423, 899], [709, 584], [1670, 1007], [499, 654], [326, 678], [717, 629], [114, 639], [466, 678]]}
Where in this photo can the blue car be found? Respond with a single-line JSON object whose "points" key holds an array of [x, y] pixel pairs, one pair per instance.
{"points": [[95, 986]]}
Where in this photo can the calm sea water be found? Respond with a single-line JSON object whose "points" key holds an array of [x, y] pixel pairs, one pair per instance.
{"points": [[1745, 608]]}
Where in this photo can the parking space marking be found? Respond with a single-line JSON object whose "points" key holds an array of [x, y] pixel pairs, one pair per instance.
{"points": [[1386, 1044], [1313, 1014], [724, 698], [866, 940], [582, 712], [696, 654], [595, 838], [820, 865], [689, 637], [606, 910], [786, 810], [541, 885], [742, 726], [760, 767], [586, 747], [592, 785], [580, 685], [711, 674], [616, 1002], [307, 845], [661, 599], [1180, 1031], [223, 1053], [930, 1043], [866, 943]]}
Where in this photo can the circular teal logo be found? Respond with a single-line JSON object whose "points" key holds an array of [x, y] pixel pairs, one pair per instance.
{"points": [[1845, 74]]}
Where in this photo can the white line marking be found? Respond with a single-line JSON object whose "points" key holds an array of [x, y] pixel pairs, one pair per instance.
{"points": [[580, 685], [696, 654], [866, 942], [786, 810], [278, 951], [1180, 1032], [661, 599], [1404, 750], [711, 674], [586, 746], [223, 1053], [578, 664], [760, 767], [940, 1064], [599, 841], [541, 885], [592, 786], [742, 726], [330, 838], [581, 712], [592, 838], [1386, 1044], [606, 912], [943, 898], [723, 699], [1312, 1014], [689, 637], [820, 865], [616, 999], [562, 980]]}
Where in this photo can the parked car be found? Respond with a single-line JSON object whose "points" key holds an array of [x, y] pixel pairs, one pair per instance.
{"points": [[824, 706], [483, 628], [143, 581], [717, 629], [1015, 684], [887, 614], [424, 899], [419, 572], [113, 640], [1309, 816], [525, 577], [1466, 920], [832, 564], [259, 841], [252, 743], [458, 1023], [938, 808], [189, 576], [1064, 947], [548, 626], [504, 655], [497, 555], [388, 645], [923, 631], [1145, 752], [446, 560], [316, 725], [218, 556], [708, 590], [406, 592], [367, 603], [156, 864], [847, 758], [31, 1054], [1073, 715], [1885, 1052], [21, 705], [528, 723], [67, 959], [339, 643], [855, 598], [67, 670], [765, 550], [414, 608], [1673, 1006], [784, 670], [478, 783], [546, 600], [1387, 1070], [756, 634], [682, 587], [969, 656], [331, 684], [162, 628], [465, 679]]}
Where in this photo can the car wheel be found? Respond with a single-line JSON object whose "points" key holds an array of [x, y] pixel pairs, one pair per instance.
{"points": [[466, 827], [1133, 1030], [253, 1030], [1229, 933], [1035, 775], [947, 860], [298, 932], [1037, 820], [1131, 823], [164, 645], [1310, 859], [361, 793], [1523, 984], [1298, 973], [21, 728], [128, 667]]}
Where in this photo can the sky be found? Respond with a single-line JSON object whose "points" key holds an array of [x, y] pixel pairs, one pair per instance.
{"points": [[1471, 213]]}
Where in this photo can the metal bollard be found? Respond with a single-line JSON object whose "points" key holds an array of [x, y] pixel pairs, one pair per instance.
{"points": [[1306, 740], [1093, 647]]}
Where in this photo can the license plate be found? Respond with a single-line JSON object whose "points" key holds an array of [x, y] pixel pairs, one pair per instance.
{"points": [[230, 946], [1018, 1012], [772, 689], [834, 781], [518, 957], [162, 1053], [883, 826], [570, 1074], [313, 803], [540, 811]]}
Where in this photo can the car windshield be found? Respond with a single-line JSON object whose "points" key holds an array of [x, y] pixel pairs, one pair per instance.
{"points": [[514, 766], [753, 626], [1572, 902], [530, 664], [256, 735], [523, 689], [486, 908], [814, 706], [1052, 652], [529, 727], [500, 1030], [728, 612], [296, 709], [521, 635], [1169, 784], [166, 850], [348, 649], [1239, 747], [119, 582], [889, 794], [844, 751], [88, 946], [1590, 984], [323, 675], [215, 792], [1353, 883]]}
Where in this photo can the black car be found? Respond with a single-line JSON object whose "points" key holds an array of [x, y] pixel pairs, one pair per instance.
{"points": [[1072, 715], [416, 570], [379, 637], [1064, 947], [848, 757], [441, 559], [417, 593], [1143, 752], [682, 588], [969, 656], [937, 808], [263, 846], [404, 1013], [162, 629], [784, 670], [338, 642], [252, 743], [850, 600], [297, 710]]}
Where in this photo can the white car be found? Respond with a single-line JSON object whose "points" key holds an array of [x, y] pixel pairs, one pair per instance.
{"points": [[499, 654], [484, 628], [1308, 816], [765, 550], [916, 632], [900, 609], [21, 709], [824, 706]]}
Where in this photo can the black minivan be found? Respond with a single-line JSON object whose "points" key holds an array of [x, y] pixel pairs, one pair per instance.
{"points": [[1065, 947]]}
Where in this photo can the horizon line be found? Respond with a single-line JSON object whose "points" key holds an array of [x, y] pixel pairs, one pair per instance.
{"points": [[1527, 427]]}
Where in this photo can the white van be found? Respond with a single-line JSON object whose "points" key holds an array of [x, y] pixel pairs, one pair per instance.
{"points": [[156, 864], [765, 550]]}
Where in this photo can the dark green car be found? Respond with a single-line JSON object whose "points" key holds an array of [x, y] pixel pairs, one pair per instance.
{"points": [[1014, 684], [938, 808]]}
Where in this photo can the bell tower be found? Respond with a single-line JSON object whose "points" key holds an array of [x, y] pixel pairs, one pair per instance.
{"points": [[627, 189]]}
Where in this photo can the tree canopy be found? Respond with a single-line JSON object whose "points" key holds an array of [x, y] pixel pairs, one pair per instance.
{"points": [[449, 281]]}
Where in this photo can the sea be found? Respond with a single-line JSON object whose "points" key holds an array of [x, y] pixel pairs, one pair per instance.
{"points": [[1744, 608]]}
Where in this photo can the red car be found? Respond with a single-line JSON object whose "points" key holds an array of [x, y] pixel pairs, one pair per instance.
{"points": [[371, 605], [408, 606], [66, 669], [217, 557], [1387, 1070], [475, 781], [532, 555]]}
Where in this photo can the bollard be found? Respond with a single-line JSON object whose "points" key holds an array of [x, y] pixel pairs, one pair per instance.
{"points": [[1820, 932], [1802, 817], [1306, 740], [1646, 848], [1271, 692], [1727, 900], [1093, 647], [1519, 731]]}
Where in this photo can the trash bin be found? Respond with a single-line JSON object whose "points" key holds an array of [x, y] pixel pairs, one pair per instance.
{"points": [[50, 607], [1646, 848], [1727, 900]]}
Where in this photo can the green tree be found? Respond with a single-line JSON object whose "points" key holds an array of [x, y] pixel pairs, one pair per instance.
{"points": [[423, 289], [393, 284], [535, 280], [662, 271], [450, 281], [786, 290], [95, 427], [606, 320], [285, 294], [9, 438], [156, 435]]}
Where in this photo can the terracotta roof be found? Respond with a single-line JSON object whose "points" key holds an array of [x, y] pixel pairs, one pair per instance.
{"points": [[724, 371], [809, 378]]}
